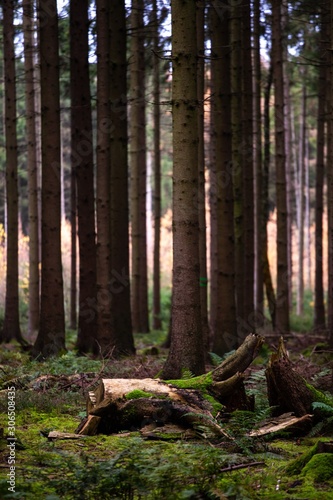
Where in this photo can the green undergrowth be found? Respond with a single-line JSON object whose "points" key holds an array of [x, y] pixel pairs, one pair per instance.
{"points": [[126, 466]]}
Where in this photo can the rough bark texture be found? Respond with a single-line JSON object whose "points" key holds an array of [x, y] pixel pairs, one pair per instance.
{"points": [[104, 312], [120, 281], [51, 336], [157, 322], [282, 301], [138, 171], [319, 308], [32, 165], [11, 326], [186, 350], [287, 390], [225, 334], [83, 166]]}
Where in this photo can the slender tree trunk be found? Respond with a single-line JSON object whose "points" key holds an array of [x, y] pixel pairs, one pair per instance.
{"points": [[282, 302], [29, 67], [105, 325], [138, 171], [330, 184], [213, 278], [120, 285], [186, 350], [201, 172], [271, 299], [83, 165], [11, 327], [73, 291], [257, 134], [237, 156], [248, 319], [51, 335], [157, 323], [300, 218], [225, 338], [319, 308]]}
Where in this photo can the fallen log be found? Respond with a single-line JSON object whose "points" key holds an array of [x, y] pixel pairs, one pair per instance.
{"points": [[133, 404], [281, 423]]}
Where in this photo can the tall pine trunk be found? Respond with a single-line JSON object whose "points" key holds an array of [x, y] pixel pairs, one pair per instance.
{"points": [[11, 327], [157, 323], [120, 285], [138, 171], [319, 307], [186, 350], [83, 165], [29, 68], [201, 172], [282, 300], [225, 337], [105, 325], [51, 335]]}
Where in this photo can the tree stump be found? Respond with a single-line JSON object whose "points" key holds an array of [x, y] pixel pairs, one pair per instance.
{"points": [[287, 390], [132, 404]]}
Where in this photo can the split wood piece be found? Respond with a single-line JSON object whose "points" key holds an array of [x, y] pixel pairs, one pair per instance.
{"points": [[63, 435], [285, 421], [287, 390], [240, 359], [89, 426]]}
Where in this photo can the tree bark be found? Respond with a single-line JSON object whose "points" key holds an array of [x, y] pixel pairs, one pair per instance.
{"points": [[11, 326], [138, 171], [120, 281], [319, 307], [83, 166], [186, 350], [33, 171], [225, 335], [157, 322], [282, 300], [51, 336]]}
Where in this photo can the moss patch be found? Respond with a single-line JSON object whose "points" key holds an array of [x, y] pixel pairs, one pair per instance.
{"points": [[137, 394], [319, 468]]}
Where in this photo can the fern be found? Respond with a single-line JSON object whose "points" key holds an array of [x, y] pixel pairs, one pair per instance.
{"points": [[322, 407]]}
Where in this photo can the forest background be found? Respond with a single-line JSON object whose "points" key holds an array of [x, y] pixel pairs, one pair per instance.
{"points": [[105, 173]]}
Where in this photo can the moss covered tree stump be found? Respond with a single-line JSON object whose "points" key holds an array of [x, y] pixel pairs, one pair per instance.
{"points": [[133, 404]]}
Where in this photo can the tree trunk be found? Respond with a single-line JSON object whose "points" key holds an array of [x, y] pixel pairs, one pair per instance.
{"points": [[51, 335], [186, 350], [237, 156], [11, 327], [330, 183], [282, 301], [270, 295], [300, 218], [105, 325], [225, 336], [120, 281], [33, 171], [201, 173], [83, 165], [157, 322], [319, 307], [248, 318], [138, 171]]}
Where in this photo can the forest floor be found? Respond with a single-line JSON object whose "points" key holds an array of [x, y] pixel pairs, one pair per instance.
{"points": [[51, 396]]}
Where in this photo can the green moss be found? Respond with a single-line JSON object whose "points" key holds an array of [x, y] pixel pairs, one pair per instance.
{"points": [[319, 396], [319, 468], [137, 393], [201, 383], [296, 466]]}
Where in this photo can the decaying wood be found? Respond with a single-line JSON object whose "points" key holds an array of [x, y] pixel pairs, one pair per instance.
{"points": [[285, 421], [287, 390], [89, 426], [63, 435], [240, 359], [133, 404]]}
